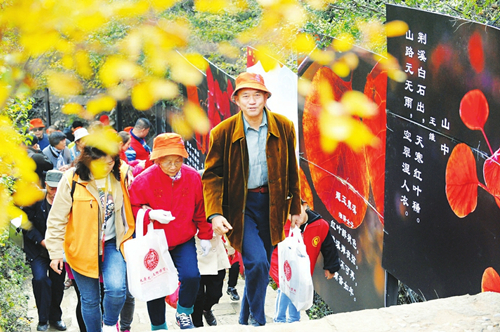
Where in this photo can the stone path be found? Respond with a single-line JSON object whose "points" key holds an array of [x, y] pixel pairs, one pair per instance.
{"points": [[477, 313], [226, 311]]}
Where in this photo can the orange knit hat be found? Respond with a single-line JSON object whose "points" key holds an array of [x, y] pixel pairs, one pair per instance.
{"points": [[168, 144], [250, 81]]}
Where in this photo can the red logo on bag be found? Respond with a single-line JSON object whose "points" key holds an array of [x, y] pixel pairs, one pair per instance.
{"points": [[151, 260], [288, 271]]}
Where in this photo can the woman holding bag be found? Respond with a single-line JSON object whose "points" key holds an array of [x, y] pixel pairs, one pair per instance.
{"points": [[92, 219], [173, 195]]}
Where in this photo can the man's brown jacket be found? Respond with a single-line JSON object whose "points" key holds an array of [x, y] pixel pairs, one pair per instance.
{"points": [[226, 174]]}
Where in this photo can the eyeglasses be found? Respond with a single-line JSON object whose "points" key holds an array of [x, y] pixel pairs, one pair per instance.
{"points": [[168, 164], [38, 129]]}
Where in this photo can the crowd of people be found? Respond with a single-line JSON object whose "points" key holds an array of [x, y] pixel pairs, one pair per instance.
{"points": [[93, 197]]}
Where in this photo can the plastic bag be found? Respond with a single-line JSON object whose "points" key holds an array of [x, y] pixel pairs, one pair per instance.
{"points": [[151, 273], [295, 271]]}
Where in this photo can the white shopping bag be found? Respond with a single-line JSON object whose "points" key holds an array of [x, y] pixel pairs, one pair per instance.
{"points": [[151, 273], [295, 271]]}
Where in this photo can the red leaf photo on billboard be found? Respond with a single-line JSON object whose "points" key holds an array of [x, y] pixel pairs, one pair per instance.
{"points": [[376, 90], [476, 53], [491, 173], [474, 110], [340, 178], [461, 181]]}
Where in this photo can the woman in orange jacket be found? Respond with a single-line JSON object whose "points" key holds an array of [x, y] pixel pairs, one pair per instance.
{"points": [[92, 219]]}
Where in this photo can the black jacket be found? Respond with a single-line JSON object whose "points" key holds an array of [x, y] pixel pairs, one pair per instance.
{"points": [[328, 249], [37, 214], [43, 163]]}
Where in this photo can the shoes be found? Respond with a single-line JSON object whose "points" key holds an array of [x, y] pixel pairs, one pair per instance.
{"points": [[184, 321], [110, 328], [210, 318], [68, 283], [253, 322], [233, 294], [42, 327], [59, 325]]}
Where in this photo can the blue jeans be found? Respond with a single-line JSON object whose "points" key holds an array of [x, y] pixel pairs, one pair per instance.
{"points": [[283, 303], [256, 253], [113, 271], [48, 288], [186, 263]]}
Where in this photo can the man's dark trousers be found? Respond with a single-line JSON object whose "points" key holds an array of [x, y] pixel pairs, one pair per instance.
{"points": [[256, 253], [48, 288]]}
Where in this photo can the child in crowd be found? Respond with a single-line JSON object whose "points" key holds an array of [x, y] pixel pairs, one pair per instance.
{"points": [[316, 233]]}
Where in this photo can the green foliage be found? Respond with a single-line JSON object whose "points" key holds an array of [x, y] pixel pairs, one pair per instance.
{"points": [[14, 272], [18, 111], [343, 16], [319, 308]]}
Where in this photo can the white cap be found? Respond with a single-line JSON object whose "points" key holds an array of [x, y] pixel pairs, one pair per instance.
{"points": [[80, 132]]}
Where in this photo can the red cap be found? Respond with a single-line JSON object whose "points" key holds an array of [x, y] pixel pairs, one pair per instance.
{"points": [[36, 123]]}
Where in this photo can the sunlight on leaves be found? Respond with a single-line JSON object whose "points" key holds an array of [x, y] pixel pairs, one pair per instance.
{"points": [[63, 84], [396, 28], [101, 103], [72, 108], [196, 118], [181, 126], [105, 139], [210, 6], [343, 43]]}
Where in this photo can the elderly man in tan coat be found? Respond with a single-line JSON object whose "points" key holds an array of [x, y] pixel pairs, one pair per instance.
{"points": [[251, 184]]}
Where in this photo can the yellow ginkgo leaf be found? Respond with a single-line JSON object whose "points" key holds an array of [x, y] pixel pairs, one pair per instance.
{"points": [[341, 68], [72, 108], [4, 92], [14, 212], [210, 6], [267, 57], [396, 28], [183, 72], [126, 9], [304, 43], [318, 4], [142, 97], [343, 43], [38, 43], [196, 118], [357, 103], [83, 67], [101, 103], [304, 86], [351, 60], [181, 126], [228, 50], [162, 5], [361, 136], [63, 84], [323, 57], [105, 139], [99, 168], [91, 21], [197, 60], [117, 69], [163, 89], [27, 193]]}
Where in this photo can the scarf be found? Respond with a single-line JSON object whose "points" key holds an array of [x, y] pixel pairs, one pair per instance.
{"points": [[60, 157]]}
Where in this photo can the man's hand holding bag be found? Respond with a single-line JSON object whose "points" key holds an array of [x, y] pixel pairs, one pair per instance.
{"points": [[294, 270]]}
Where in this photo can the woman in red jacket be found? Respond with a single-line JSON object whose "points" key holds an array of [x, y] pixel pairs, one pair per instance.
{"points": [[172, 193]]}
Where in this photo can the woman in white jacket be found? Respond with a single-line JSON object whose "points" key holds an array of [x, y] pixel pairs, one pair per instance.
{"points": [[213, 270]]}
